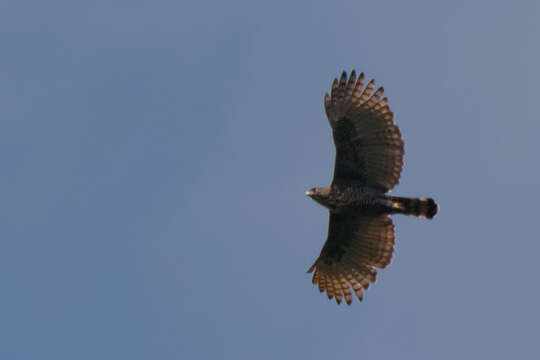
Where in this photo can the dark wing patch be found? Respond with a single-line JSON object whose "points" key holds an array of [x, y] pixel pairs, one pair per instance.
{"points": [[356, 244], [369, 148]]}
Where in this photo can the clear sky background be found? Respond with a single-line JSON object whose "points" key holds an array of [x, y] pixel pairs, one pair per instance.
{"points": [[155, 156]]}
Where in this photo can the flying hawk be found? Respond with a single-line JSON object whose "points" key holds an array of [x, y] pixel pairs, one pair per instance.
{"points": [[369, 158]]}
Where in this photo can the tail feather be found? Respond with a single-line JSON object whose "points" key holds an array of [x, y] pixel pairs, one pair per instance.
{"points": [[425, 207]]}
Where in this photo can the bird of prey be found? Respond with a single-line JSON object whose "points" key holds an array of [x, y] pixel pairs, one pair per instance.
{"points": [[369, 158]]}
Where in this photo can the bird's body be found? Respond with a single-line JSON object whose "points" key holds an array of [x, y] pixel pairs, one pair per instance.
{"points": [[341, 198], [369, 159], [366, 200]]}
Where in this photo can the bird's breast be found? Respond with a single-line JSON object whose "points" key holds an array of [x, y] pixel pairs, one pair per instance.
{"points": [[345, 197]]}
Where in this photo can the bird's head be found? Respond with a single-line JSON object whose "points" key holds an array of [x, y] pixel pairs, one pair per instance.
{"points": [[318, 194]]}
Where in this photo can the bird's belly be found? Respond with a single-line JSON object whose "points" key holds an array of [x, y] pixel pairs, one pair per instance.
{"points": [[367, 203]]}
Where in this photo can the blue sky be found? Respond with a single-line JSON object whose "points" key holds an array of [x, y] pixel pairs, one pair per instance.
{"points": [[155, 156]]}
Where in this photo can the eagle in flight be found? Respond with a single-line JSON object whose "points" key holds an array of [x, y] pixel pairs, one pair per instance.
{"points": [[369, 158]]}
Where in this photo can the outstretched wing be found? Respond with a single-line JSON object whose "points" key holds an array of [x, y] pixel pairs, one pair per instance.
{"points": [[369, 148], [356, 244]]}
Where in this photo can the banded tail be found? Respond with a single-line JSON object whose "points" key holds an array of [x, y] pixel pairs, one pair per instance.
{"points": [[425, 207]]}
